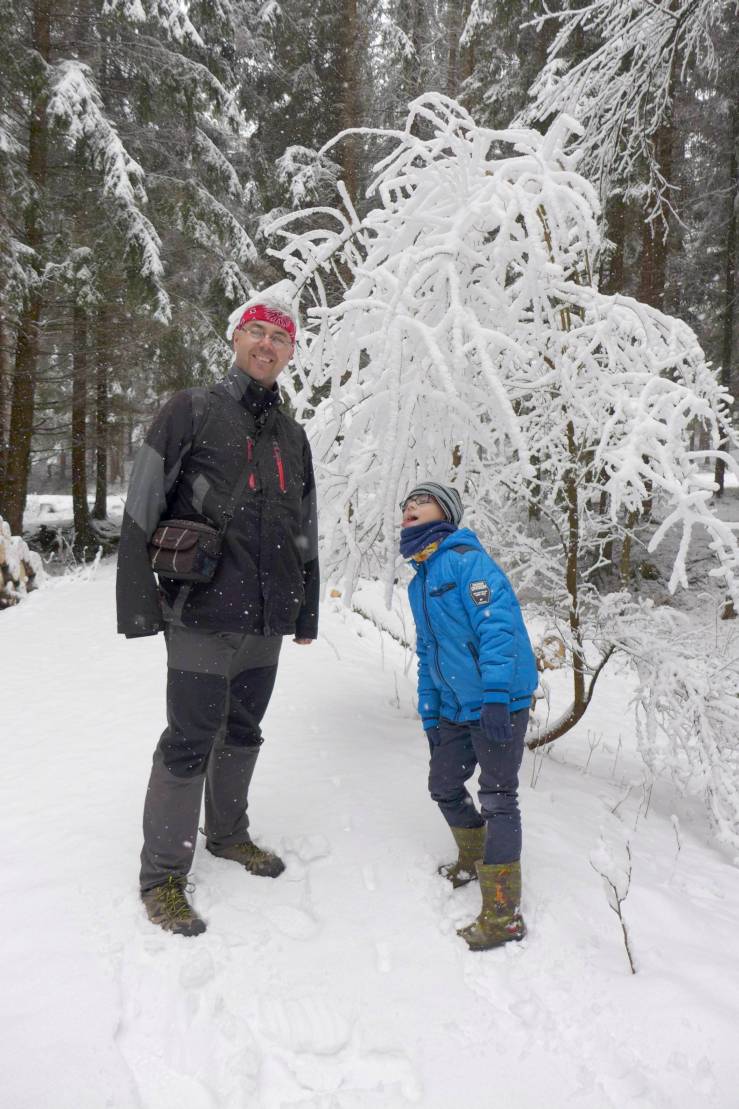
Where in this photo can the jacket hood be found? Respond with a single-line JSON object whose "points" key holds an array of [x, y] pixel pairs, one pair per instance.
{"points": [[461, 536]]}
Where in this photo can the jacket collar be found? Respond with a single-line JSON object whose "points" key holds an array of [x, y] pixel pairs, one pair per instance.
{"points": [[460, 537], [254, 397]]}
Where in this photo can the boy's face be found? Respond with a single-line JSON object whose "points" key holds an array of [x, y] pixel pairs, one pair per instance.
{"points": [[415, 513]]}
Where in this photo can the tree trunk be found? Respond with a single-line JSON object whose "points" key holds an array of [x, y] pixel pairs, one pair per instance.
{"points": [[624, 568], [415, 26], [728, 336], [25, 371], [83, 533], [100, 509], [655, 233], [5, 378], [612, 271], [459, 58], [350, 50]]}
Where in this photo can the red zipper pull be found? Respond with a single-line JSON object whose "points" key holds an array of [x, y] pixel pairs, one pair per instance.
{"points": [[250, 458], [278, 463]]}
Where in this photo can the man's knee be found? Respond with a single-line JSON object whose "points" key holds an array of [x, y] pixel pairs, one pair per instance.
{"points": [[249, 697], [195, 711]]}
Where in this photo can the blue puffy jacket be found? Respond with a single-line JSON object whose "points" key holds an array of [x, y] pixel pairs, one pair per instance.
{"points": [[470, 636]]}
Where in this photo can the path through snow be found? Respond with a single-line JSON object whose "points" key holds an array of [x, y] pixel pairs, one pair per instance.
{"points": [[342, 985]]}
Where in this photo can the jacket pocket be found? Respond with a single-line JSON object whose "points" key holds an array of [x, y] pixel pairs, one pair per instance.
{"points": [[442, 589]]}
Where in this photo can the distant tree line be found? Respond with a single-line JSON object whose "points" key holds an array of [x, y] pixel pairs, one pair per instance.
{"points": [[145, 143]]}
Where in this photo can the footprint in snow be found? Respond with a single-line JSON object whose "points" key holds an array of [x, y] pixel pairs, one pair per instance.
{"points": [[198, 971], [292, 922], [316, 1043], [305, 1025], [308, 848]]}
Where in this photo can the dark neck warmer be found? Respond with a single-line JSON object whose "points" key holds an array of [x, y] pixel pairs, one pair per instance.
{"points": [[415, 539], [259, 400]]}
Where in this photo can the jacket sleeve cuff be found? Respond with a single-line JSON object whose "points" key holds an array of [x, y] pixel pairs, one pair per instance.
{"points": [[140, 626], [495, 697], [306, 628]]}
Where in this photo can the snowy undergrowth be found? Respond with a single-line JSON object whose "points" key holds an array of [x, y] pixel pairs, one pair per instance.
{"points": [[342, 985]]}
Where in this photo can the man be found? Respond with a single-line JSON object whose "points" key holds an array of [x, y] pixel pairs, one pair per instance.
{"points": [[223, 637]]}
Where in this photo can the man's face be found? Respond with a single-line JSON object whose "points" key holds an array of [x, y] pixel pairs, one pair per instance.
{"points": [[262, 351], [425, 510]]}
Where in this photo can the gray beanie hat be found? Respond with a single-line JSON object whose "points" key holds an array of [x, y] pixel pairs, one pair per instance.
{"points": [[449, 499]]}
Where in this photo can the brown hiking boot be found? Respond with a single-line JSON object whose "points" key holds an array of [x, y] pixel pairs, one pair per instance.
{"points": [[167, 906], [471, 843], [265, 864], [500, 920]]}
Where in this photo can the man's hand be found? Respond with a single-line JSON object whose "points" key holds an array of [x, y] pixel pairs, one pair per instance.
{"points": [[302, 642]]}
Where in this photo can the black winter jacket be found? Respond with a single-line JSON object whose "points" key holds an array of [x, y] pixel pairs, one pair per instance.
{"points": [[267, 578]]}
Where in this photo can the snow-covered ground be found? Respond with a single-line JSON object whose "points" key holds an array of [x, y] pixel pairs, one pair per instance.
{"points": [[342, 985], [55, 510]]}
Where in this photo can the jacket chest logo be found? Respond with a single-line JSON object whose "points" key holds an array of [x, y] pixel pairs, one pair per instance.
{"points": [[480, 592]]}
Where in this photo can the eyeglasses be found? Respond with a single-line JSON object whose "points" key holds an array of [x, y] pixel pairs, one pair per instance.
{"points": [[417, 499], [257, 333]]}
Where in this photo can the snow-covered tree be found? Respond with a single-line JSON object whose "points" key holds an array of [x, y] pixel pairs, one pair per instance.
{"points": [[622, 89], [472, 344], [120, 137]]}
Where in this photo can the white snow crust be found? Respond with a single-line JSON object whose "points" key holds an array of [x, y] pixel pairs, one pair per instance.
{"points": [[342, 985]]}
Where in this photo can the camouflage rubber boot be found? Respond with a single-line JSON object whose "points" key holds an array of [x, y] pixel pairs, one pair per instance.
{"points": [[500, 920], [167, 906], [471, 843], [265, 864]]}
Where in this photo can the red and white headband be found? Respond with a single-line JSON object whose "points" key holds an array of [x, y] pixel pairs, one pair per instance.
{"points": [[267, 315]]}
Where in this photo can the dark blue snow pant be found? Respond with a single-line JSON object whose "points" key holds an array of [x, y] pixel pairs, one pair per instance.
{"points": [[461, 748], [218, 688]]}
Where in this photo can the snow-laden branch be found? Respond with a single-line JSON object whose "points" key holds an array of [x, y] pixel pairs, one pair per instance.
{"points": [[75, 108], [209, 223], [687, 707], [622, 89], [172, 16], [472, 344], [216, 164]]}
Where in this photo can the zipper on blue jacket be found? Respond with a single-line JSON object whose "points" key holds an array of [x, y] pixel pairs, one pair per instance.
{"points": [[422, 570], [475, 656]]}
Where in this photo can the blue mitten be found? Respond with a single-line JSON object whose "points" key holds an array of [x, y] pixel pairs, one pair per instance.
{"points": [[495, 723]]}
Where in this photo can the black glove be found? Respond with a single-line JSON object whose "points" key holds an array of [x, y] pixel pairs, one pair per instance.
{"points": [[495, 723]]}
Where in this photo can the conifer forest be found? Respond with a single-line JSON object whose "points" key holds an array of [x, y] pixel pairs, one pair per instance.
{"points": [[148, 146]]}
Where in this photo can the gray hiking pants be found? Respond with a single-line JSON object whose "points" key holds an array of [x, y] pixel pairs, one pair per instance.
{"points": [[218, 688]]}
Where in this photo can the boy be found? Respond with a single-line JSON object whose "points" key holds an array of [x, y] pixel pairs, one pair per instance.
{"points": [[476, 677]]}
